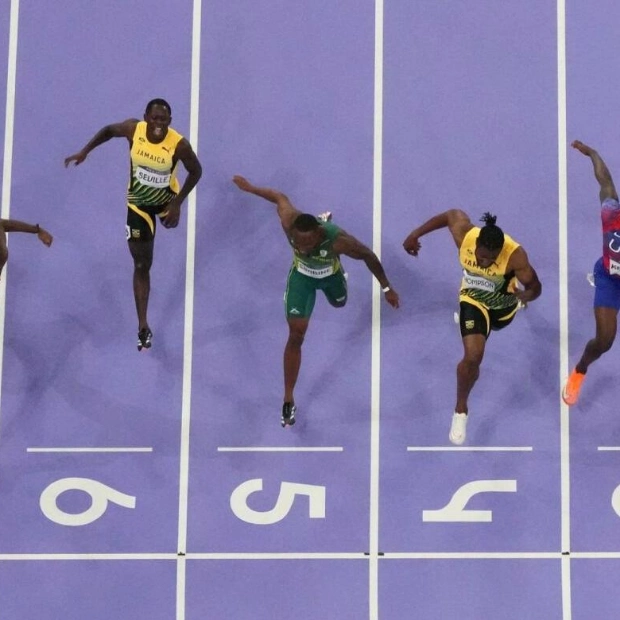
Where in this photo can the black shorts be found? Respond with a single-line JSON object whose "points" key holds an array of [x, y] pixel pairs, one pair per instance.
{"points": [[476, 319], [141, 222]]}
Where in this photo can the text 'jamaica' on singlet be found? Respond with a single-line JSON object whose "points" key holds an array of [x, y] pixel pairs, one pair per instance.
{"points": [[492, 286], [322, 261], [152, 180]]}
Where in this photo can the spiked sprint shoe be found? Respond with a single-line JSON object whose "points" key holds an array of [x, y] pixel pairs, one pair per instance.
{"points": [[572, 387], [457, 430], [145, 338], [288, 414]]}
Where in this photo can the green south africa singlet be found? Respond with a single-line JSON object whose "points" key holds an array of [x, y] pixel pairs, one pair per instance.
{"points": [[323, 261]]}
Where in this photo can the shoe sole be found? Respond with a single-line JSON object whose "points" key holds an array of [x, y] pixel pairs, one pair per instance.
{"points": [[145, 345], [456, 442], [566, 400]]}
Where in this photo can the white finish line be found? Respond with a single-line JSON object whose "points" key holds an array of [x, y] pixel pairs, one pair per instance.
{"points": [[280, 449], [469, 449], [83, 450]]}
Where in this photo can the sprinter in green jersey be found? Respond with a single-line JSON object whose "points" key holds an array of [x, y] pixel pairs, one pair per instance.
{"points": [[317, 246]]}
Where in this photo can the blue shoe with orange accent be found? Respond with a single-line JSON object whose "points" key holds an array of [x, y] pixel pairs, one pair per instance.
{"points": [[145, 338]]}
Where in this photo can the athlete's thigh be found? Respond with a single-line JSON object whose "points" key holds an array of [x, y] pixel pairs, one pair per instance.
{"points": [[300, 295], [502, 318], [141, 251], [140, 223], [474, 319], [606, 288], [335, 289], [473, 347]]}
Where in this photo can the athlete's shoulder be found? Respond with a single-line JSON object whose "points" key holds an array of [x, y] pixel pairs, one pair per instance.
{"points": [[510, 243], [332, 230], [174, 135], [469, 236], [136, 127]]}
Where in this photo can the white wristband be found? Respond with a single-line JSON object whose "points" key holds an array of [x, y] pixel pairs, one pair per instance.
{"points": [[386, 289]]}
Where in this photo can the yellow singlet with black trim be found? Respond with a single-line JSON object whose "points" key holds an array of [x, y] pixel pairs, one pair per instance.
{"points": [[152, 179], [492, 287]]}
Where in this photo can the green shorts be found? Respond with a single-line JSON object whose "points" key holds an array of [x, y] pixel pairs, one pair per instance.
{"points": [[301, 291]]}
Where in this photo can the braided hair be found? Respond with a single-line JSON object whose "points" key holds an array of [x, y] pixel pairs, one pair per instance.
{"points": [[491, 236]]}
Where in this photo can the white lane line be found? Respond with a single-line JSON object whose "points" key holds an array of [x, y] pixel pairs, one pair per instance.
{"points": [[469, 449], [377, 300], [280, 449], [7, 168], [82, 450], [473, 555], [455, 555], [278, 556], [181, 560], [181, 581], [563, 307], [56, 557], [189, 287], [188, 321], [608, 448]]}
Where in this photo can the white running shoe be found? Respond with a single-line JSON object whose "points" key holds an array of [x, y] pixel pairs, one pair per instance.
{"points": [[458, 429]]}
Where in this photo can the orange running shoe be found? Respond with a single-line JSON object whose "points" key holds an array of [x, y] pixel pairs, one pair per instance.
{"points": [[570, 392]]}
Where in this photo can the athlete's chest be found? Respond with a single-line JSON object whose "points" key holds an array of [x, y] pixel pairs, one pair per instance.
{"points": [[496, 270], [154, 156]]}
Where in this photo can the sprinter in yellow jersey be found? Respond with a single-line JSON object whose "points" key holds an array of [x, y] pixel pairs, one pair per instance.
{"points": [[493, 266], [153, 191]]}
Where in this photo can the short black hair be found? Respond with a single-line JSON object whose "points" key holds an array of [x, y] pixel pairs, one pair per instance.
{"points": [[491, 236], [305, 222], [161, 102]]}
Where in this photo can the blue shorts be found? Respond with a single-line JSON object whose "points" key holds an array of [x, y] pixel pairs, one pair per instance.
{"points": [[607, 288]]}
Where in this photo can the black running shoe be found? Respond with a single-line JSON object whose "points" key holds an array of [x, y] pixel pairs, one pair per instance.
{"points": [[145, 337], [288, 414]]}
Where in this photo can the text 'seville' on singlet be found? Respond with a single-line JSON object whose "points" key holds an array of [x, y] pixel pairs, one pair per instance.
{"points": [[492, 286], [322, 261], [152, 180]]}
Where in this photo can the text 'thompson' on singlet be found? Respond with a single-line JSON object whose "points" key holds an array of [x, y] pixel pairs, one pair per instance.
{"points": [[492, 286], [152, 180], [322, 261]]}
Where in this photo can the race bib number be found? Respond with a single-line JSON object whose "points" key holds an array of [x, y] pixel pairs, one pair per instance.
{"points": [[315, 273], [478, 282], [152, 178], [614, 268]]}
